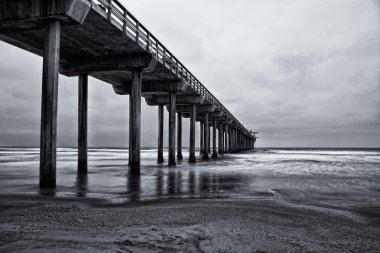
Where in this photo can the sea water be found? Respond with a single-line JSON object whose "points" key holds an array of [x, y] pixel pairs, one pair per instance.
{"points": [[317, 177]]}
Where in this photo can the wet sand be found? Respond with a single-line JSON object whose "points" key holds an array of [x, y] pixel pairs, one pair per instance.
{"points": [[44, 224]]}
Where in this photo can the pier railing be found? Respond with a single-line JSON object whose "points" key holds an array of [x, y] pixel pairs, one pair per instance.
{"points": [[117, 14]]}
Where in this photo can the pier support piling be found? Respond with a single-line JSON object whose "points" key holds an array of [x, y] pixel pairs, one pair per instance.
{"points": [[206, 137], [172, 105], [179, 136], [226, 139], [49, 103], [201, 137], [214, 152], [209, 140], [229, 140], [193, 114], [160, 152], [135, 122], [82, 122], [220, 140]]}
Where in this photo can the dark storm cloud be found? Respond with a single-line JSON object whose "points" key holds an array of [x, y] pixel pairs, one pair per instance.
{"points": [[303, 73]]}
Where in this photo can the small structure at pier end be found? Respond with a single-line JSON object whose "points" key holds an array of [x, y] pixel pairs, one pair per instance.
{"points": [[101, 38]]}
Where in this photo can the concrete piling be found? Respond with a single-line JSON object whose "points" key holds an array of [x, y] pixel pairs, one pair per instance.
{"points": [[214, 152], [206, 137], [82, 122], [179, 136], [160, 150], [172, 111], [201, 137], [225, 139], [209, 140], [135, 122], [193, 114], [49, 104], [220, 139]]}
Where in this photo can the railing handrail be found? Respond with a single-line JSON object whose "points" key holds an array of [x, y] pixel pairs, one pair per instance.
{"points": [[116, 12]]}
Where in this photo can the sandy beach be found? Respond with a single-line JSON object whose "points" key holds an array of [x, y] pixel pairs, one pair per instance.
{"points": [[47, 224]]}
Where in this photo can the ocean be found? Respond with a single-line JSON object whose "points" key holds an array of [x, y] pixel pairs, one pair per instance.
{"points": [[311, 177], [266, 200]]}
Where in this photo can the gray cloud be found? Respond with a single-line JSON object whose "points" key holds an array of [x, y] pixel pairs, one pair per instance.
{"points": [[303, 73]]}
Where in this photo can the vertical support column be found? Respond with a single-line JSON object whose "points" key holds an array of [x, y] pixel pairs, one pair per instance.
{"points": [[82, 122], [201, 137], [235, 141], [241, 141], [235, 146], [214, 153], [193, 112], [172, 105], [226, 139], [160, 153], [209, 140], [223, 135], [240, 147], [229, 140], [179, 136], [135, 122], [49, 101], [220, 141], [232, 148], [206, 137]]}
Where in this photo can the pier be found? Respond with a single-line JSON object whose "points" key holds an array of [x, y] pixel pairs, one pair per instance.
{"points": [[102, 39]]}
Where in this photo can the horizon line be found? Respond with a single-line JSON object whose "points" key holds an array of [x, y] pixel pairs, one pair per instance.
{"points": [[150, 147]]}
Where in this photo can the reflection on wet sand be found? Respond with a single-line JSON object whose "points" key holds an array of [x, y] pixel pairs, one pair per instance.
{"points": [[191, 183], [134, 187], [82, 184], [159, 183], [172, 183], [47, 192]]}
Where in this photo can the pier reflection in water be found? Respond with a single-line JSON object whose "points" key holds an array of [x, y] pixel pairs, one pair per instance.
{"points": [[312, 175], [82, 184], [176, 183], [170, 183]]}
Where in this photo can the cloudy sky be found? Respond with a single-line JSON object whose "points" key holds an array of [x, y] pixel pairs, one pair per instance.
{"points": [[304, 73]]}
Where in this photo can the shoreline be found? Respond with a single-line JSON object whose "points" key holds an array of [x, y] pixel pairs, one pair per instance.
{"points": [[43, 223]]}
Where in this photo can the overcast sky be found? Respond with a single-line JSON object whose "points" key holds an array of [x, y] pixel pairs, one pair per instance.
{"points": [[304, 73]]}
